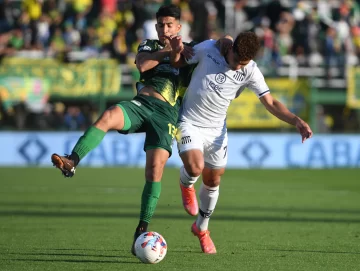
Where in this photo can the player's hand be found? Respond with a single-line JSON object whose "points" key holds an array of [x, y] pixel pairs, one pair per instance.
{"points": [[176, 43], [188, 52], [167, 47], [224, 44], [304, 129]]}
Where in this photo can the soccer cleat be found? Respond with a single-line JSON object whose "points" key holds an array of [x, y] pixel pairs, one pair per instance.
{"points": [[64, 163], [207, 245], [137, 233], [189, 199]]}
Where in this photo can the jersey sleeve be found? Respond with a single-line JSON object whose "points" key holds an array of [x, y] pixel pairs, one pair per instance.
{"points": [[147, 46], [200, 50], [257, 84]]}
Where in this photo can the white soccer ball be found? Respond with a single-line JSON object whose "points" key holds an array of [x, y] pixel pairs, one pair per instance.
{"points": [[150, 247]]}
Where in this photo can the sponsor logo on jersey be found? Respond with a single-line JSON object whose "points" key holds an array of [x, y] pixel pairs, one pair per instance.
{"points": [[239, 76], [220, 78], [214, 86], [136, 102], [167, 68], [185, 139], [213, 59], [145, 48]]}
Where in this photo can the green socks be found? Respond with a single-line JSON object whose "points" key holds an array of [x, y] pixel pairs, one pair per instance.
{"points": [[89, 141], [149, 199]]}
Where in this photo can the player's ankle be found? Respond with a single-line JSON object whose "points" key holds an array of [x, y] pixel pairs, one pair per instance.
{"points": [[142, 226], [75, 158]]}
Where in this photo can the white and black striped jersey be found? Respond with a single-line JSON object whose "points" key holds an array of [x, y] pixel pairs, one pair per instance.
{"points": [[214, 85]]}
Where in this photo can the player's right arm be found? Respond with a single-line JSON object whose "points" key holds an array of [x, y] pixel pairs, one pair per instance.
{"points": [[177, 60], [148, 56]]}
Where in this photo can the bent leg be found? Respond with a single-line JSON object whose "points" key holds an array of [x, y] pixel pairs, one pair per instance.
{"points": [[189, 173], [193, 164], [111, 119]]}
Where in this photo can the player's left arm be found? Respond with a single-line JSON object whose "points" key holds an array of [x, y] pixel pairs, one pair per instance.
{"points": [[258, 85], [280, 111]]}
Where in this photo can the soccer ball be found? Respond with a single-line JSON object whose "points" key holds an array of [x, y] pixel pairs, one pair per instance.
{"points": [[150, 247]]}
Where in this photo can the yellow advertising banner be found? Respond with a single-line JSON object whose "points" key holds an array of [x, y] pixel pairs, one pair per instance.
{"points": [[353, 88], [92, 77], [248, 112]]}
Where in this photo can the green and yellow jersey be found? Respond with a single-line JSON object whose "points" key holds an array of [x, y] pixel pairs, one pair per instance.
{"points": [[170, 82]]}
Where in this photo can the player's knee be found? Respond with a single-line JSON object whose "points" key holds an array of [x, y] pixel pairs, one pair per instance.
{"points": [[104, 122], [194, 169], [110, 119], [154, 170], [212, 182], [154, 173]]}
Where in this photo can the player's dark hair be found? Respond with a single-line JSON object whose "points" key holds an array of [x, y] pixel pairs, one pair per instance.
{"points": [[246, 46], [169, 11]]}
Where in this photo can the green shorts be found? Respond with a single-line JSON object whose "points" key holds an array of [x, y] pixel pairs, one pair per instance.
{"points": [[154, 117]]}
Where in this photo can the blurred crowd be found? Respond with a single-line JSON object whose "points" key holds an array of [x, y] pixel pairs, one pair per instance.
{"points": [[55, 116], [320, 33]]}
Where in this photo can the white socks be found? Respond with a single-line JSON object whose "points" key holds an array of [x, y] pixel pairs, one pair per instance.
{"points": [[208, 199], [185, 178]]}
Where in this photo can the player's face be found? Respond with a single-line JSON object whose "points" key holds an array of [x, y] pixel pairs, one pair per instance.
{"points": [[167, 26], [235, 62]]}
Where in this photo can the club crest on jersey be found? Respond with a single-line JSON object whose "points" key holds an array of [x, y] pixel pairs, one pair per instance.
{"points": [[239, 76], [220, 78]]}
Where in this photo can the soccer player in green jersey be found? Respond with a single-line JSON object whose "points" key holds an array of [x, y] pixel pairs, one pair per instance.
{"points": [[154, 110]]}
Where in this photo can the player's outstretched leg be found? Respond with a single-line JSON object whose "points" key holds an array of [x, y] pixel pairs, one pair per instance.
{"points": [[65, 163], [111, 119], [89, 141], [188, 192]]}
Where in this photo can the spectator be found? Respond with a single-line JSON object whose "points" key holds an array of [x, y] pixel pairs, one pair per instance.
{"points": [[74, 119], [71, 37]]}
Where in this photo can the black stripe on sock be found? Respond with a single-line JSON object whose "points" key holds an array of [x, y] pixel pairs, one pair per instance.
{"points": [[203, 214]]}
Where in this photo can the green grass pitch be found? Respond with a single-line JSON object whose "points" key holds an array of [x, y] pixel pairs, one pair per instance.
{"points": [[265, 220]]}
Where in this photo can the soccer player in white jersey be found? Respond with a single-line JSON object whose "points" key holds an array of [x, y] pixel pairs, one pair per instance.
{"points": [[202, 134]]}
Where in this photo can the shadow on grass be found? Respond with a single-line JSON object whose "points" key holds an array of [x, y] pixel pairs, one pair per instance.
{"points": [[80, 214], [314, 251], [74, 261], [68, 254], [171, 207]]}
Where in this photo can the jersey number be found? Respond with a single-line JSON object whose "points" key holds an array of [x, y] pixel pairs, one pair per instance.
{"points": [[172, 130], [225, 149]]}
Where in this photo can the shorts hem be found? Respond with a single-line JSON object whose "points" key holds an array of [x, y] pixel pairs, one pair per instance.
{"points": [[208, 165], [127, 121], [146, 148], [190, 149]]}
